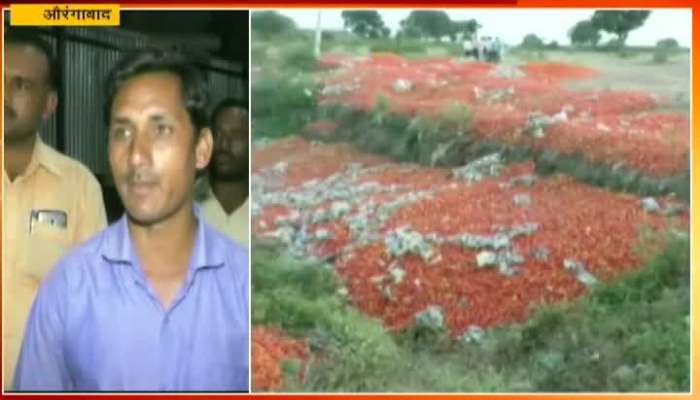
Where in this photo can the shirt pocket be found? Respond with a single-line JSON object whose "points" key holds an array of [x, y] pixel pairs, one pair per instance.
{"points": [[46, 245]]}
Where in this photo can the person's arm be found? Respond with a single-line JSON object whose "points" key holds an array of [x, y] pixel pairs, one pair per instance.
{"points": [[42, 364], [92, 217]]}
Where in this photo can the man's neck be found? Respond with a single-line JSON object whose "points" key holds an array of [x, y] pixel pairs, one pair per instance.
{"points": [[18, 155], [230, 194], [165, 247]]}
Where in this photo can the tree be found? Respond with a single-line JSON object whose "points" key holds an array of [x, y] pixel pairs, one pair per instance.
{"points": [[365, 23], [584, 33], [430, 23], [271, 23], [466, 28], [664, 49], [619, 23], [407, 30], [532, 42], [668, 43]]}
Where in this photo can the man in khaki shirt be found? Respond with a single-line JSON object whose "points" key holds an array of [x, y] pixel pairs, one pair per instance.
{"points": [[50, 202], [223, 195]]}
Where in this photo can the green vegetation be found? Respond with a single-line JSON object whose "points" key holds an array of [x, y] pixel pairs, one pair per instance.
{"points": [[427, 23], [664, 49], [281, 107], [612, 177], [445, 141], [584, 33], [365, 23], [283, 100], [271, 23], [532, 42], [531, 48], [629, 335], [302, 298], [619, 22]]}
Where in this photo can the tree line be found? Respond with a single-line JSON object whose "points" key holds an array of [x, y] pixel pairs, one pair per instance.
{"points": [[436, 24]]}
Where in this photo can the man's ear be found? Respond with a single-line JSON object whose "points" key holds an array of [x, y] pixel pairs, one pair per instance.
{"points": [[50, 105], [204, 148]]}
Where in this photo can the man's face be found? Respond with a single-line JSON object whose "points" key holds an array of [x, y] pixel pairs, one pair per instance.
{"points": [[28, 95], [230, 158], [152, 150]]}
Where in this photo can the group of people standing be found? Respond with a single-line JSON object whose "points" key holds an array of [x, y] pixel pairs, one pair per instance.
{"points": [[159, 299]]}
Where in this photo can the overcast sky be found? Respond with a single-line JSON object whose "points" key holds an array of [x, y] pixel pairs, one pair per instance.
{"points": [[512, 24]]}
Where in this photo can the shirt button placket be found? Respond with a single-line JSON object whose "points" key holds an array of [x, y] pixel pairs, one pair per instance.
{"points": [[165, 352]]}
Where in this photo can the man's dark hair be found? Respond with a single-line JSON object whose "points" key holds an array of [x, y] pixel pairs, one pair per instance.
{"points": [[30, 37], [194, 89], [224, 105]]}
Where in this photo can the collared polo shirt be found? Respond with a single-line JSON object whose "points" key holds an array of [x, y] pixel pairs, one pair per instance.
{"points": [[97, 324], [53, 185], [235, 225]]}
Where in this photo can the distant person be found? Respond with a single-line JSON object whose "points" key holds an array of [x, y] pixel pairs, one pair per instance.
{"points": [[478, 44], [468, 48], [159, 300], [496, 50], [223, 195], [51, 202]]}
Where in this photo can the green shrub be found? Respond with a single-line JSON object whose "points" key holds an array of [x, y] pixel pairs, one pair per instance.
{"points": [[456, 118], [299, 57], [664, 49], [383, 46], [532, 42], [302, 298], [270, 23], [281, 107], [412, 46]]}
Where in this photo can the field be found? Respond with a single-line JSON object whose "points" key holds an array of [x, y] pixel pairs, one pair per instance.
{"points": [[465, 226]]}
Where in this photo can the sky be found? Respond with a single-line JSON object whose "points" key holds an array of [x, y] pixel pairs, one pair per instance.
{"points": [[511, 25]]}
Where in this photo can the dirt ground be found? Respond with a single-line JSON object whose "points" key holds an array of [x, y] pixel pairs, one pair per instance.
{"points": [[670, 80]]}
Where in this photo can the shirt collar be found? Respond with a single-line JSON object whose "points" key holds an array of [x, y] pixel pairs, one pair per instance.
{"points": [[45, 156], [209, 250], [42, 155]]}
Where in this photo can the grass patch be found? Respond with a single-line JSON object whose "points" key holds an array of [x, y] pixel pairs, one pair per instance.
{"points": [[420, 138], [299, 57], [284, 100], [281, 107], [628, 335], [302, 298]]}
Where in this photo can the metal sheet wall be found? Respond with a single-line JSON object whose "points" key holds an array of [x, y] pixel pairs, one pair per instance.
{"points": [[223, 83], [48, 129], [88, 56]]}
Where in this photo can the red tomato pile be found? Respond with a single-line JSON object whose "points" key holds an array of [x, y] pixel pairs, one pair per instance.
{"points": [[574, 221], [333, 61], [606, 126], [296, 152], [270, 347], [554, 71]]}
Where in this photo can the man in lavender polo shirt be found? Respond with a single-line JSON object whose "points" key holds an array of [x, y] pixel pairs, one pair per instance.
{"points": [[159, 300]]}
